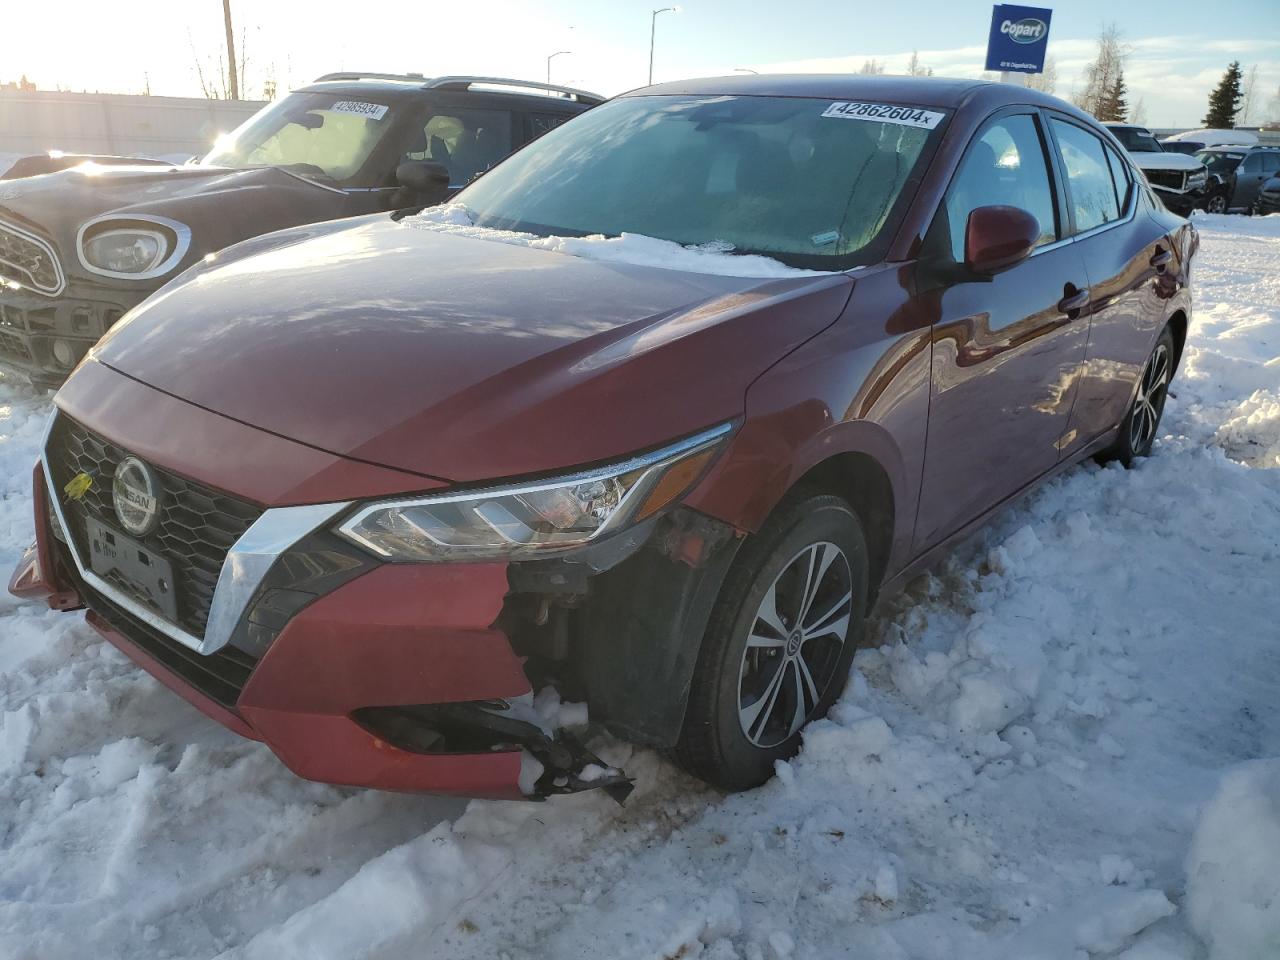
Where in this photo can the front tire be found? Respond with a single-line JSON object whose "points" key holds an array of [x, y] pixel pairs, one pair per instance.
{"points": [[779, 645], [1142, 422], [1216, 204]]}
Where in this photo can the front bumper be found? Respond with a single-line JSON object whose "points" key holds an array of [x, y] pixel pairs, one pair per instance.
{"points": [[397, 636], [1181, 203], [31, 325]]}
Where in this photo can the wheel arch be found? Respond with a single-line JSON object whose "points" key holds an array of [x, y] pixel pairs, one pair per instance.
{"points": [[861, 481]]}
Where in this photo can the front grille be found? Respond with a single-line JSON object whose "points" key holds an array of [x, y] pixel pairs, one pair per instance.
{"points": [[29, 260], [197, 526], [13, 346], [1169, 179]]}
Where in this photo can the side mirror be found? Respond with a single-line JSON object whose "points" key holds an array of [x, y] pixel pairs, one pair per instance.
{"points": [[423, 176], [997, 237]]}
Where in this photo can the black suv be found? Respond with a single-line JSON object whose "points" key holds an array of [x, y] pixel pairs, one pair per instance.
{"points": [[80, 247], [1236, 175]]}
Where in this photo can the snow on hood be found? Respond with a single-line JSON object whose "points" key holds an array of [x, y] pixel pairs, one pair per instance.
{"points": [[634, 248], [1153, 160]]}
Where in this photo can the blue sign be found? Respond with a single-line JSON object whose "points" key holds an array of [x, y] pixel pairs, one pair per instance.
{"points": [[1019, 37]]}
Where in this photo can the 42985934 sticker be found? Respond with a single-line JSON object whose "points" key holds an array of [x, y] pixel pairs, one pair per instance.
{"points": [[370, 111], [886, 113]]}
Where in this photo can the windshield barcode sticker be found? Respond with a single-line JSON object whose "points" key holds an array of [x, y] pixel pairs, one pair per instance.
{"points": [[886, 113], [370, 111]]}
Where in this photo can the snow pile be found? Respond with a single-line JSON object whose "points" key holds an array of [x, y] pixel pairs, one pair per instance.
{"points": [[1233, 869], [7, 160], [634, 248], [1028, 763]]}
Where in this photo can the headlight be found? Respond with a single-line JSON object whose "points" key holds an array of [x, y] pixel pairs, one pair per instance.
{"points": [[132, 248], [127, 251], [535, 518]]}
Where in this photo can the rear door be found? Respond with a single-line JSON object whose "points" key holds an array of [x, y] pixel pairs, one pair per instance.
{"points": [[1127, 259], [1007, 348]]}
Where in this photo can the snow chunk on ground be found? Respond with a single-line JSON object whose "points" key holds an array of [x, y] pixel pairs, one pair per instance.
{"points": [[636, 248], [1233, 884], [1253, 434]]}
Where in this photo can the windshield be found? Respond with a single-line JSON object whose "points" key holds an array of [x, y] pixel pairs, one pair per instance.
{"points": [[323, 135], [1219, 162], [809, 182], [1137, 141]]}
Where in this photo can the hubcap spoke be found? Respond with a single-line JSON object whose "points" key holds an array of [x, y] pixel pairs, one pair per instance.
{"points": [[755, 717], [800, 710], [805, 674], [818, 626], [758, 642], [768, 611]]}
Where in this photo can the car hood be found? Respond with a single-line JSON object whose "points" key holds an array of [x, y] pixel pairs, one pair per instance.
{"points": [[60, 202], [1154, 160], [459, 358]]}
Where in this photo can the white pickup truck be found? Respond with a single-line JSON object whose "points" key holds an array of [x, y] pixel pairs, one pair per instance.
{"points": [[1179, 180]]}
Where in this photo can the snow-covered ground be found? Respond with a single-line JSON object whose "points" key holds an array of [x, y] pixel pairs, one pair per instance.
{"points": [[1066, 747]]}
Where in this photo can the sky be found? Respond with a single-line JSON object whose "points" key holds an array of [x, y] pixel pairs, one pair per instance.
{"points": [[1175, 58]]}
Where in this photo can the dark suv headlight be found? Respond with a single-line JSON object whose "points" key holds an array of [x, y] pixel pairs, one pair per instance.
{"points": [[132, 248]]}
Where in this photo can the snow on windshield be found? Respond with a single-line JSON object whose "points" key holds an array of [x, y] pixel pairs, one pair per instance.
{"points": [[634, 248]]}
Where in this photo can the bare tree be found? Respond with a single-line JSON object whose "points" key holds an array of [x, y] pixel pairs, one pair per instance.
{"points": [[1046, 81], [915, 68], [872, 67], [1100, 75], [1246, 105], [1138, 115], [1273, 107]]}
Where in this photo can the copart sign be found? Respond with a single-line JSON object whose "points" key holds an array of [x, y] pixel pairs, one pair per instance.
{"points": [[1019, 38]]}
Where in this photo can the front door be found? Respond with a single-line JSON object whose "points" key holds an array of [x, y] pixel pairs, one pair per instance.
{"points": [[1007, 349], [1253, 172]]}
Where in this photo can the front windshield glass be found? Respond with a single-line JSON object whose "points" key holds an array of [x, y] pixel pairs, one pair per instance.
{"points": [[809, 182], [322, 135], [1219, 162], [1137, 141]]}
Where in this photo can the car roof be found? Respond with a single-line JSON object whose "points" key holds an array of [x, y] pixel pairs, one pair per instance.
{"points": [[1236, 147], [414, 85], [934, 91]]}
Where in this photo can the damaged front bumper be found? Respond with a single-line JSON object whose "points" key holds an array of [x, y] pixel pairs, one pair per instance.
{"points": [[44, 338], [398, 679]]}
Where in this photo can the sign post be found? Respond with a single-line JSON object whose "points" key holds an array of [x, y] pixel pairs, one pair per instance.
{"points": [[1018, 40]]}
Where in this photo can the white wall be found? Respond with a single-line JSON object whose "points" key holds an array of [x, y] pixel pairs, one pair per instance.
{"points": [[36, 121]]}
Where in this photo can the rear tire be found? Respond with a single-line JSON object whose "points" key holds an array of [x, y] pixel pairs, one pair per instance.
{"points": [[1140, 425], [778, 648]]}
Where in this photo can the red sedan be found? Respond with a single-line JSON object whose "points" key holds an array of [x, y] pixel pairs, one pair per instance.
{"points": [[654, 413]]}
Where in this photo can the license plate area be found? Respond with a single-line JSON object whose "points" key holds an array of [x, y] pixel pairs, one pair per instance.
{"points": [[127, 564]]}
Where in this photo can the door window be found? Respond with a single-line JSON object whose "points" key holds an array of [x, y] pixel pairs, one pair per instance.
{"points": [[1119, 177], [1005, 165], [467, 141], [1089, 180], [540, 123]]}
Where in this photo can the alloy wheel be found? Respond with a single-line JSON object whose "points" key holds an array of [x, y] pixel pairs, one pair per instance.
{"points": [[1149, 403], [1216, 204], [795, 644]]}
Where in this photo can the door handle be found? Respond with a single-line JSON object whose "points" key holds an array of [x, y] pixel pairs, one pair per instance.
{"points": [[1160, 259], [1073, 300]]}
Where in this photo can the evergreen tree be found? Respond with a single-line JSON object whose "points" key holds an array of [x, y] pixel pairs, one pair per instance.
{"points": [[1224, 102], [1114, 105]]}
